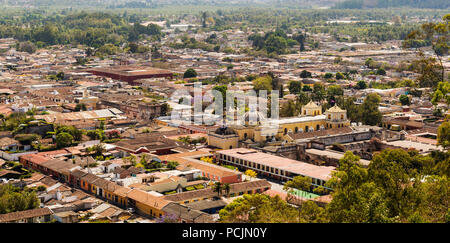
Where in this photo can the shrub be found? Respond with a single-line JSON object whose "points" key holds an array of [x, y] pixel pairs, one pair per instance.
{"points": [[171, 192], [198, 187], [190, 188]]}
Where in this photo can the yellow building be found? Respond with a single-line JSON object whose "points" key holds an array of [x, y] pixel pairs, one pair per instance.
{"points": [[146, 203], [90, 101], [224, 138], [311, 109], [311, 119], [336, 117]]}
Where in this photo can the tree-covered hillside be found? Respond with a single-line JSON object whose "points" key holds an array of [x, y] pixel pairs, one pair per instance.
{"points": [[361, 4]]}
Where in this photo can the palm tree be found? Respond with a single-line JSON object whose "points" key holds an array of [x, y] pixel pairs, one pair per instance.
{"points": [[204, 16], [227, 188], [218, 188], [99, 149]]}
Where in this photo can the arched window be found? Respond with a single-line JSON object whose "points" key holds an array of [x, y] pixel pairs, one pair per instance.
{"points": [[285, 131], [245, 135], [296, 129], [231, 146], [306, 129], [342, 117], [317, 127], [329, 117]]}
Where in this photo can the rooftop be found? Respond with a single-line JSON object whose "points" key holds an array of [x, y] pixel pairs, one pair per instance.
{"points": [[293, 166]]}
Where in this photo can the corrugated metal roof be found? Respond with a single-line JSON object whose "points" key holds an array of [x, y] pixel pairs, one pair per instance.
{"points": [[101, 208]]}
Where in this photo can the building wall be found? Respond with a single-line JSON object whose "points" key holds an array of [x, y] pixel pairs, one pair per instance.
{"points": [[169, 186], [148, 210], [84, 185], [241, 132], [312, 112], [264, 170], [223, 142], [286, 128]]}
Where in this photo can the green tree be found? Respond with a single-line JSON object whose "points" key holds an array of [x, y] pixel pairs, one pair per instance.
{"points": [[299, 182], [26, 47], [97, 149], [438, 36], [381, 71], [334, 91], [372, 116], [369, 63], [97, 134], [394, 172], [262, 83], [443, 137], [361, 84], [64, 139], [339, 76], [218, 188], [318, 92], [60, 76], [295, 87], [259, 208], [227, 189], [303, 98], [442, 93], [80, 107], [276, 44], [404, 99], [172, 165], [223, 90], [190, 73], [355, 198], [305, 74], [13, 199], [328, 75], [289, 109]]}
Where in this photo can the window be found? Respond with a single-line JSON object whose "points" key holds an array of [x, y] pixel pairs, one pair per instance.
{"points": [[329, 116], [342, 117]]}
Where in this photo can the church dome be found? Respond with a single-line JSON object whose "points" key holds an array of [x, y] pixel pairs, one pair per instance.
{"points": [[224, 131], [311, 105], [335, 109], [254, 117]]}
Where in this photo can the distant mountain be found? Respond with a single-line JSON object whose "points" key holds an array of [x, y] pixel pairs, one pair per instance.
{"points": [[364, 4], [160, 3]]}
